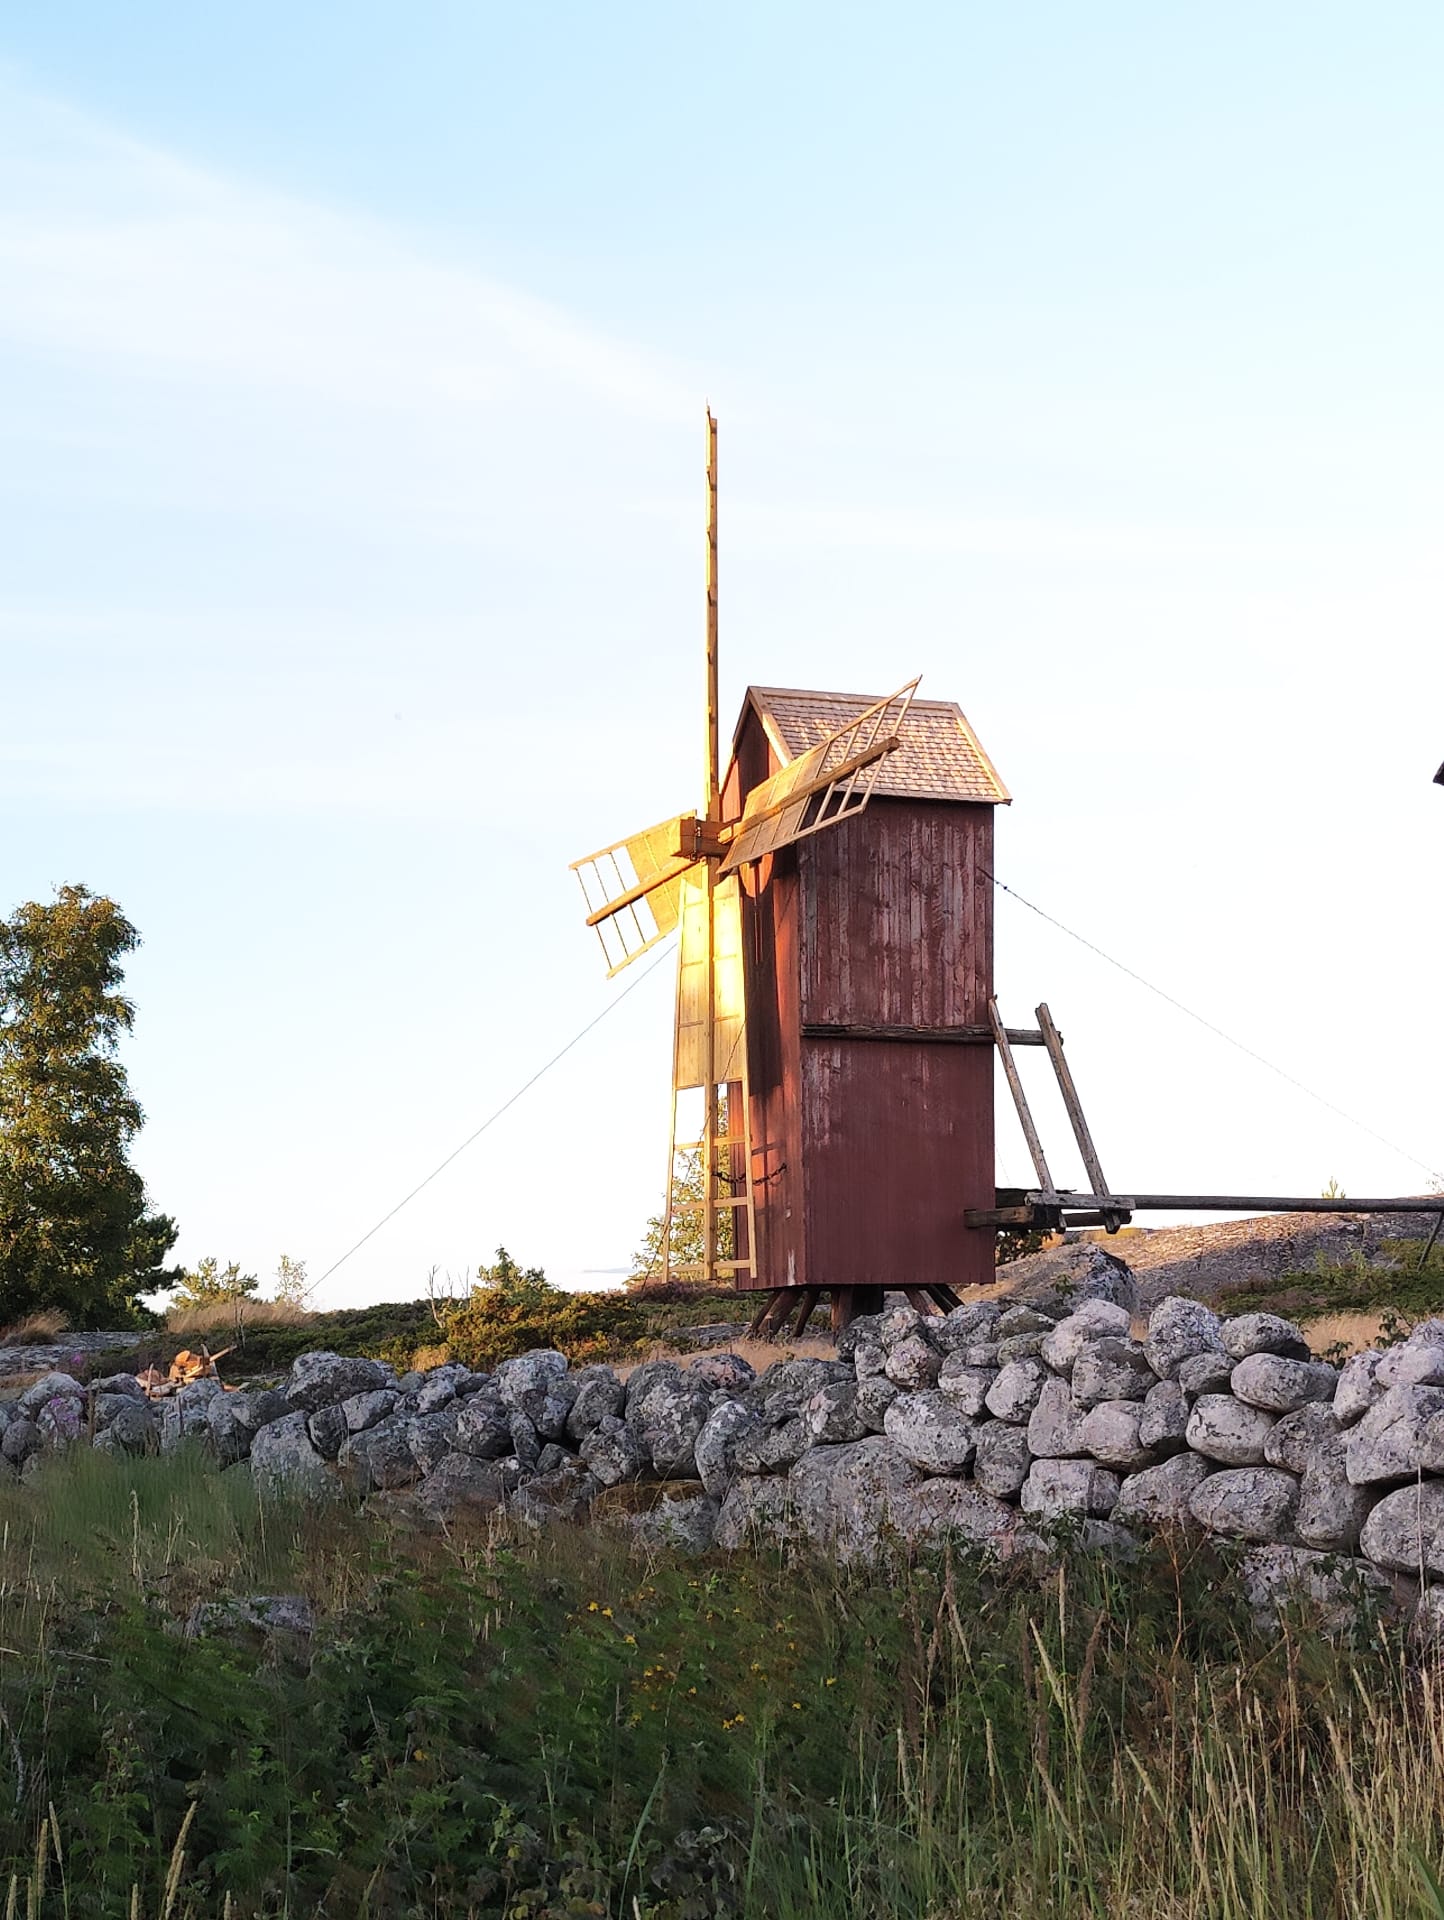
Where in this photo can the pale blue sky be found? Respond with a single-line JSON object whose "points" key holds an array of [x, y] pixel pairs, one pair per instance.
{"points": [[352, 361]]}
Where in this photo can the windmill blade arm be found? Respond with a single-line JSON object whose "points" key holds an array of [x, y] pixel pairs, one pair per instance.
{"points": [[640, 892], [633, 888], [798, 796]]}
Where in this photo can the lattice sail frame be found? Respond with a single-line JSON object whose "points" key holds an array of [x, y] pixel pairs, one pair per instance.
{"points": [[633, 890], [838, 776]]}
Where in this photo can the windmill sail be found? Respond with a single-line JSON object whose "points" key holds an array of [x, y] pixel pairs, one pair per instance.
{"points": [[729, 1033], [829, 782], [633, 890]]}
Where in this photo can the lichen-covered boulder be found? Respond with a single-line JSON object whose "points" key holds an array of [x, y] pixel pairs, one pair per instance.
{"points": [[381, 1455], [831, 1416], [462, 1484], [440, 1386], [1207, 1372], [1111, 1434], [1359, 1387], [364, 1410], [1416, 1362], [945, 1507], [1224, 1429], [20, 1440], [1388, 1442], [1163, 1424], [282, 1457], [720, 1373], [715, 1449], [483, 1427], [1247, 1503], [62, 1420], [1405, 1531], [684, 1521], [967, 1387], [1333, 1595], [48, 1387], [431, 1436], [1331, 1511], [561, 1493], [599, 1395], [929, 1432], [1056, 1487], [1055, 1426], [615, 1452], [1111, 1369], [973, 1323], [913, 1363], [1250, 1333], [327, 1428], [134, 1428], [1180, 1329], [844, 1499], [1002, 1459], [1092, 1320], [874, 1396], [1160, 1495], [757, 1511], [326, 1379], [1280, 1385], [668, 1421], [1299, 1437], [1014, 1394], [1059, 1279]]}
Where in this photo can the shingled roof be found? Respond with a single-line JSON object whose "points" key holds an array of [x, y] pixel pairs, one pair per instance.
{"points": [[940, 757]]}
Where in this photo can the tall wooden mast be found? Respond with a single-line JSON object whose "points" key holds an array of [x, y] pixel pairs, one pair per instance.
{"points": [[714, 814]]}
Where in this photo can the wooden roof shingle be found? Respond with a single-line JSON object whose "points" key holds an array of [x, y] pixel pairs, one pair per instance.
{"points": [[939, 758]]}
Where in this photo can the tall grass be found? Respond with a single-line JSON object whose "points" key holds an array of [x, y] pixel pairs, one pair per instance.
{"points": [[489, 1724], [234, 1317]]}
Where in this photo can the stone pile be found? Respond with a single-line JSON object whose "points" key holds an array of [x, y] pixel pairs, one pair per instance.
{"points": [[982, 1423]]}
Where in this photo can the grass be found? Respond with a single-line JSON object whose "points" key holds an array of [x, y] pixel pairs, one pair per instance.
{"points": [[35, 1329], [485, 1725], [232, 1317], [1403, 1286]]}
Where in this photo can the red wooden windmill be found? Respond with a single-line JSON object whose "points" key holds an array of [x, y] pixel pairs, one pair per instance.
{"points": [[834, 900]]}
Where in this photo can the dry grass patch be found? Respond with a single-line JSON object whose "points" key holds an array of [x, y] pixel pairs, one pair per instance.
{"points": [[35, 1329], [235, 1316]]}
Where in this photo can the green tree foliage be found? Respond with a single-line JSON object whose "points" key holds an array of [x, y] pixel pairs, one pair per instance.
{"points": [[210, 1284], [75, 1229], [510, 1285], [688, 1192], [291, 1284]]}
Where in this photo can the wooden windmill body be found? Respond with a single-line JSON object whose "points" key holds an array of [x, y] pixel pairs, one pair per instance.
{"points": [[834, 904]]}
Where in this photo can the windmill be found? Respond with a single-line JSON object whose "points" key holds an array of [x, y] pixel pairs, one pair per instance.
{"points": [[685, 873]]}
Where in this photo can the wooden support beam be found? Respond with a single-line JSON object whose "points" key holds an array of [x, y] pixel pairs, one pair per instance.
{"points": [[1113, 1217], [810, 1298], [935, 1036], [1020, 1099]]}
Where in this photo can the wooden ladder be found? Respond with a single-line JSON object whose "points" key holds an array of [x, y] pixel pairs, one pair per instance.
{"points": [[730, 1176], [1112, 1218]]}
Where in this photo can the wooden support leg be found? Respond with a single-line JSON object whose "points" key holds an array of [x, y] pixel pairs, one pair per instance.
{"points": [[945, 1298], [810, 1298], [921, 1298], [775, 1312], [754, 1325]]}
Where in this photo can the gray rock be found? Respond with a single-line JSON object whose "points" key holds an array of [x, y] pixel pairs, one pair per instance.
{"points": [[326, 1379], [113, 1383], [282, 1456], [1002, 1459], [874, 1397], [947, 1508], [327, 1428], [255, 1407], [929, 1432], [1332, 1594], [774, 1440], [614, 1452], [715, 1449], [462, 1484], [440, 1386], [983, 1353], [230, 1438], [1331, 1512], [966, 1326], [1279, 1385], [1160, 1496], [1247, 1503], [1111, 1435], [1111, 1369], [527, 1374], [721, 1373], [105, 1406], [1021, 1346], [1056, 1487], [756, 1512], [1208, 1372], [861, 1332], [1298, 1439], [1014, 1394], [20, 1441], [1250, 1333], [685, 1522], [1359, 1387], [1224, 1429], [1093, 1320], [831, 1416], [1416, 1363], [600, 1395], [1388, 1442], [483, 1427], [1024, 1319], [288, 1614], [364, 1410], [382, 1456], [1055, 1426], [1059, 1278], [642, 1379], [48, 1387], [668, 1422], [899, 1322], [967, 1387], [870, 1362], [846, 1500], [1428, 1624], [431, 1436], [1164, 1423], [526, 1443], [551, 1458], [562, 1492], [1179, 1330], [135, 1429], [62, 1421], [788, 1385], [1405, 1531], [913, 1364]]}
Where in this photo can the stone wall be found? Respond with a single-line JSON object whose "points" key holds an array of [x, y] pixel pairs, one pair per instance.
{"points": [[981, 1425]]}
